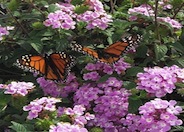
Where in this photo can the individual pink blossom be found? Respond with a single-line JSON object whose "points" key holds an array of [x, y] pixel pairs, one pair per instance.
{"points": [[3, 32]]}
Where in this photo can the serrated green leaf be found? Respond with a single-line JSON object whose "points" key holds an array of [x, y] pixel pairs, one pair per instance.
{"points": [[160, 51], [18, 127]]}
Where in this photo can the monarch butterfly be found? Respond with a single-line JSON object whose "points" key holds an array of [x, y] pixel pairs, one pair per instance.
{"points": [[111, 53], [55, 66]]}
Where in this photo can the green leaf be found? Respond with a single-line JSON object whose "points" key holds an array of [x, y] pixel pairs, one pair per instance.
{"points": [[178, 46], [133, 71], [96, 129], [141, 51], [18, 127], [129, 85], [176, 3], [13, 5], [4, 99], [37, 25], [134, 104], [77, 2], [179, 62], [81, 9], [62, 44], [37, 46], [160, 51], [53, 8], [177, 129], [103, 78]]}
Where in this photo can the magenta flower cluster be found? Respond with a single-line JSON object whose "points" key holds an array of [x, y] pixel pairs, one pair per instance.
{"points": [[108, 100], [66, 127], [111, 107], [51, 88], [79, 120], [38, 106], [131, 123], [66, 18], [18, 88], [96, 16], [142, 9], [3, 31], [63, 18], [76, 114], [147, 10], [159, 115], [99, 69], [159, 81], [165, 5], [172, 22]]}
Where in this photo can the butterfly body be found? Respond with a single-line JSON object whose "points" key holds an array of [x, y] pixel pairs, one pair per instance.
{"points": [[53, 66], [111, 53]]}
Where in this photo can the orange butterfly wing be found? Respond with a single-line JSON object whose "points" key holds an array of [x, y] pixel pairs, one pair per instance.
{"points": [[54, 67], [62, 63], [112, 53], [32, 63], [117, 48]]}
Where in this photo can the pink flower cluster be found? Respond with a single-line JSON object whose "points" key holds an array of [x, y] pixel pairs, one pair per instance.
{"points": [[66, 127], [165, 5], [131, 123], [51, 88], [159, 81], [78, 117], [147, 10], [99, 69], [172, 22], [18, 88], [38, 106], [66, 18], [109, 101], [3, 31], [77, 114], [62, 18], [96, 17], [142, 9], [159, 115]]}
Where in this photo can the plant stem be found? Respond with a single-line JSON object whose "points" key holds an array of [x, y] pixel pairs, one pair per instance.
{"points": [[176, 12], [25, 31], [156, 22]]}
